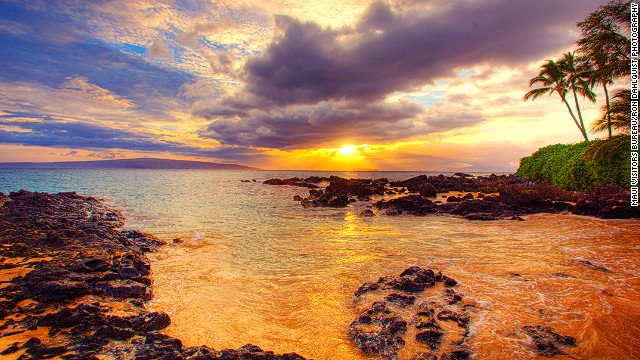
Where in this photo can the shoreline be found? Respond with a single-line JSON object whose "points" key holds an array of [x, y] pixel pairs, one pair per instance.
{"points": [[66, 256], [74, 285]]}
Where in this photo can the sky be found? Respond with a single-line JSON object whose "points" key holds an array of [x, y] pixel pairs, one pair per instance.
{"points": [[425, 85]]}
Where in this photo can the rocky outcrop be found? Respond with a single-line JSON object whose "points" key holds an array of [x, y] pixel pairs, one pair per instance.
{"points": [[411, 204], [341, 192], [81, 285], [464, 183], [420, 307], [509, 197], [291, 182], [608, 202]]}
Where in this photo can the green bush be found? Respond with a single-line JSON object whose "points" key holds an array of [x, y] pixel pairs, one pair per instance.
{"points": [[568, 166]]}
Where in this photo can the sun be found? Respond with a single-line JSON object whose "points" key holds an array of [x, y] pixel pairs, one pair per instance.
{"points": [[348, 150]]}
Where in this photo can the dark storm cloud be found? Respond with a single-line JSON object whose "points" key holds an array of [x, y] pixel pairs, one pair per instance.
{"points": [[400, 49], [313, 85]]}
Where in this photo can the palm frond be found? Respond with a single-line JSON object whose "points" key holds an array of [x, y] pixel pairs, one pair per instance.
{"points": [[606, 40], [540, 79], [619, 111], [535, 93], [608, 149]]}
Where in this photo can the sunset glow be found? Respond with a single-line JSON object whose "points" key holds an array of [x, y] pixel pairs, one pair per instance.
{"points": [[277, 86], [348, 151], [331, 180]]}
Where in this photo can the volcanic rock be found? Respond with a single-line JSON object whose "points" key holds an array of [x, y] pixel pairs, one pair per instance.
{"points": [[546, 341]]}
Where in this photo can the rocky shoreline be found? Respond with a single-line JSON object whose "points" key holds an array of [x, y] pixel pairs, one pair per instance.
{"points": [[480, 198], [73, 285], [73, 282]]}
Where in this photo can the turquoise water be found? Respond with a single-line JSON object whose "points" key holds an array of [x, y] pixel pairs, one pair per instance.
{"points": [[174, 202], [255, 267]]}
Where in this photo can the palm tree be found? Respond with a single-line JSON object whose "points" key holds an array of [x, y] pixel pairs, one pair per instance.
{"points": [[607, 30], [553, 78], [598, 76], [605, 40], [578, 82]]}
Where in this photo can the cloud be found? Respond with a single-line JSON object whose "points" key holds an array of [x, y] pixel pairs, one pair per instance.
{"points": [[76, 99], [123, 73], [220, 62], [70, 153], [316, 85], [159, 49], [202, 89], [332, 123], [400, 49], [82, 85], [497, 156], [105, 155], [191, 37], [71, 134], [13, 28]]}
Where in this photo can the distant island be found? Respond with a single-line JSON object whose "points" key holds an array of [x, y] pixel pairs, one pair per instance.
{"points": [[365, 169], [139, 163]]}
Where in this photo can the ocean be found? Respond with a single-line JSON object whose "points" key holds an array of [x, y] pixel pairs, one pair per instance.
{"points": [[253, 266]]}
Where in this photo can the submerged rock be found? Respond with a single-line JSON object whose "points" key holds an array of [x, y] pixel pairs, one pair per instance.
{"points": [[367, 213], [482, 217], [591, 265], [365, 288], [378, 331], [431, 337], [382, 328], [546, 341]]}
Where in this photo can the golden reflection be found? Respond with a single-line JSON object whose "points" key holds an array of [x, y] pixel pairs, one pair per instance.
{"points": [[349, 227]]}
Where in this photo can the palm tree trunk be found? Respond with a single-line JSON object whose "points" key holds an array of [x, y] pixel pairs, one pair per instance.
{"points": [[606, 96], [564, 100], [582, 128]]}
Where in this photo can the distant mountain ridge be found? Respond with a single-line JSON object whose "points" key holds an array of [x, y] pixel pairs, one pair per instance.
{"points": [[139, 163]]}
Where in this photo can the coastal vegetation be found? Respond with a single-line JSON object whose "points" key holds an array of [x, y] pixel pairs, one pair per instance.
{"points": [[573, 166], [601, 59]]}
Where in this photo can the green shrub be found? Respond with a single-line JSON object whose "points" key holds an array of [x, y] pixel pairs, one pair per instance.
{"points": [[566, 165]]}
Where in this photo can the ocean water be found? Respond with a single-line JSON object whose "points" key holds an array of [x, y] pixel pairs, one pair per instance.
{"points": [[253, 266]]}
